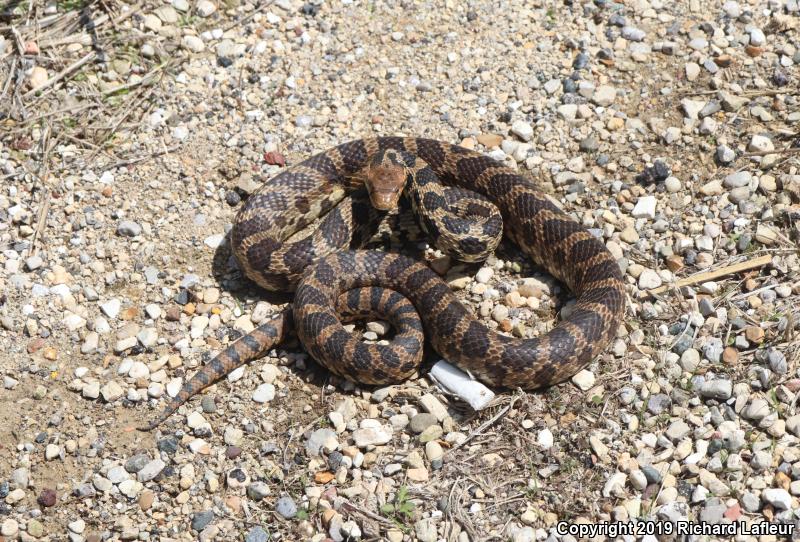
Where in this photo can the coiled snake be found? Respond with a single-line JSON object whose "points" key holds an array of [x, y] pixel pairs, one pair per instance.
{"points": [[329, 278]]}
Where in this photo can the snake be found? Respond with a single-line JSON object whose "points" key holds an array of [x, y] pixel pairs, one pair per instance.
{"points": [[339, 195]]}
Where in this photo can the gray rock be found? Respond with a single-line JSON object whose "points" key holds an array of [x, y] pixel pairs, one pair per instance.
{"points": [[658, 403], [129, 228], [101, 483], [425, 529], [136, 463], [777, 361], [201, 519], [589, 144], [321, 441], [673, 512], [793, 425], [118, 474], [677, 430], [258, 490], [256, 534], [712, 511], [420, 422], [757, 410], [761, 461], [725, 154], [709, 109], [778, 498], [757, 37], [150, 471], [718, 389], [264, 393], [522, 130], [652, 475], [738, 179], [750, 502], [34, 262], [286, 507], [632, 33]]}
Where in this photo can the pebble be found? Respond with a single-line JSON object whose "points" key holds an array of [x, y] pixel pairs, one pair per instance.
{"points": [[264, 393], [649, 279], [286, 507], [604, 95], [778, 498], [420, 422], [522, 130], [128, 228], [584, 379], [9, 528], [201, 519], [149, 471], [257, 534], [322, 440], [718, 389], [545, 439], [759, 143], [645, 208]]}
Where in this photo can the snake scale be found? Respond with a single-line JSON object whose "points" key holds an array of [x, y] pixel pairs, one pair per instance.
{"points": [[329, 277]]}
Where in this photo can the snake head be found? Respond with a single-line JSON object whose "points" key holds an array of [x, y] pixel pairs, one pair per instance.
{"points": [[385, 178]]}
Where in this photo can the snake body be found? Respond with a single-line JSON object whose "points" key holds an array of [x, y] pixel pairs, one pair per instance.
{"points": [[324, 272]]}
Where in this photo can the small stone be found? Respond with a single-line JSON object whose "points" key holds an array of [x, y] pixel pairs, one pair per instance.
{"points": [[111, 391], [658, 403], [645, 207], [46, 498], [257, 534], [757, 37], [264, 393], [760, 143], [128, 228], [10, 528], [484, 275], [372, 436], [38, 77], [433, 451], [766, 235], [193, 43], [584, 380], [718, 389], [52, 451], [692, 70], [738, 179], [677, 430], [649, 280], [201, 519], [150, 470], [322, 441], [258, 490], [730, 355], [522, 130], [77, 526], [778, 498], [146, 500], [545, 438], [754, 334], [692, 108], [604, 95], [725, 155], [673, 185], [35, 528], [286, 507], [757, 410]]}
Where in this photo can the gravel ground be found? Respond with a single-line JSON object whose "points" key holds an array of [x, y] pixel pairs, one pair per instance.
{"points": [[132, 132]]}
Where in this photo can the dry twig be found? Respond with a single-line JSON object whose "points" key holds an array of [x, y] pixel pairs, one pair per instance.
{"points": [[711, 275]]}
